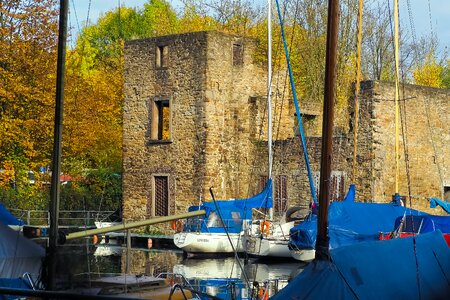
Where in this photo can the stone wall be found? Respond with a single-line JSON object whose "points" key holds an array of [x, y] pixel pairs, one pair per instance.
{"points": [[425, 135], [180, 158], [218, 136]]}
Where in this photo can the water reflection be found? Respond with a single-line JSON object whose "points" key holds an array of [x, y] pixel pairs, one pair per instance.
{"points": [[221, 277]]}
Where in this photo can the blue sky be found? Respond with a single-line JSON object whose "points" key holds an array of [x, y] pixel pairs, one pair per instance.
{"points": [[440, 14]]}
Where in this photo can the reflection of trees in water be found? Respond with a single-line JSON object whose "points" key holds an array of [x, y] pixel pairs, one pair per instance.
{"points": [[149, 262]]}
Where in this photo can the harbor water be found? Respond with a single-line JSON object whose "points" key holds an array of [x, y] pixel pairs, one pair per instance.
{"points": [[225, 277]]}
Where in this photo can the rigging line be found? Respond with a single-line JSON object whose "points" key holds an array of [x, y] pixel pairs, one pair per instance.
{"points": [[76, 17], [406, 150], [433, 143], [397, 75], [88, 12], [411, 22], [228, 236], [297, 109], [396, 41], [357, 87], [431, 23]]}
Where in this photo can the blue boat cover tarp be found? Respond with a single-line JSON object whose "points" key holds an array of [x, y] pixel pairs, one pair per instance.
{"points": [[350, 222], [435, 202], [422, 224], [391, 269], [13, 283], [233, 213], [7, 218]]}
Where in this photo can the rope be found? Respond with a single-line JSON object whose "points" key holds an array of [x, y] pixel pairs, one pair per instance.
{"points": [[228, 236], [404, 132], [88, 12], [431, 23], [397, 75], [297, 109]]}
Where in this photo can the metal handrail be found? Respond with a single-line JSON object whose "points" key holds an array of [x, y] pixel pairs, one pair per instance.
{"points": [[74, 218]]}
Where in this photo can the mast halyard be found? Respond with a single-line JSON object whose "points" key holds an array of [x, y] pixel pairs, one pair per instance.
{"points": [[397, 78], [357, 88], [269, 94], [297, 108], [322, 242]]}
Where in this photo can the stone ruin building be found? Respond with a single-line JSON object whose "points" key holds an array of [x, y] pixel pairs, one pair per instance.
{"points": [[195, 115]]}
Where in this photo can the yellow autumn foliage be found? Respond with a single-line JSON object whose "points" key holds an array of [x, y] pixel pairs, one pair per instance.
{"points": [[429, 73]]}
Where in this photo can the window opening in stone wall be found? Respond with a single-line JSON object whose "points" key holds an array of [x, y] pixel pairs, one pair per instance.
{"points": [[161, 200], [162, 56], [238, 55], [308, 124], [446, 193], [280, 201], [337, 191], [160, 120]]}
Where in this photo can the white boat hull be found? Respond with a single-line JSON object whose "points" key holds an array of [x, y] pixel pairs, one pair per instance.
{"points": [[267, 246], [105, 224], [193, 242], [274, 243], [305, 255]]}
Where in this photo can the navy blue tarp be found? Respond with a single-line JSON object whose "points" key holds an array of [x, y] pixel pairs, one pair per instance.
{"points": [[350, 222], [435, 202], [13, 283], [8, 218], [421, 224], [392, 269], [233, 213]]}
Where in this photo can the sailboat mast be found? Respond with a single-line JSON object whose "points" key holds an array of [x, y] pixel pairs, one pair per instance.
{"points": [[269, 86], [322, 242], [269, 93], [397, 77], [57, 137], [357, 88]]}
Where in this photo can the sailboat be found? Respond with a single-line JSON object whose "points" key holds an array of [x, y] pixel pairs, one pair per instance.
{"points": [[409, 268], [222, 227], [18, 255], [352, 222], [267, 237]]}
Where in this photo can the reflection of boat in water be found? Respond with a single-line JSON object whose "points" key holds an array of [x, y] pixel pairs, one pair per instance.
{"points": [[271, 272], [108, 250], [223, 278], [208, 268], [220, 277]]}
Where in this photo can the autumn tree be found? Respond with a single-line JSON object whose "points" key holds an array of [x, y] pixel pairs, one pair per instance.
{"points": [[27, 79], [429, 73]]}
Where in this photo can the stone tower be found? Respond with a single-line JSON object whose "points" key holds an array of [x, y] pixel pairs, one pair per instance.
{"points": [[192, 106]]}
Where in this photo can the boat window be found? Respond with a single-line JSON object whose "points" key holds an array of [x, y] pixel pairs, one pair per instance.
{"points": [[214, 220]]}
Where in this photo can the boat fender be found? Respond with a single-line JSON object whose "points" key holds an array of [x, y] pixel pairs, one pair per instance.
{"points": [[177, 225], [94, 239], [265, 227], [149, 243], [263, 294]]}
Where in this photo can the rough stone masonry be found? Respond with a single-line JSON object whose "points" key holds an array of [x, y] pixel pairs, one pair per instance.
{"points": [[195, 117]]}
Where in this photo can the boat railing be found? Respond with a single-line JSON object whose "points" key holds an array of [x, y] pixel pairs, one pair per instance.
{"points": [[199, 224]]}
